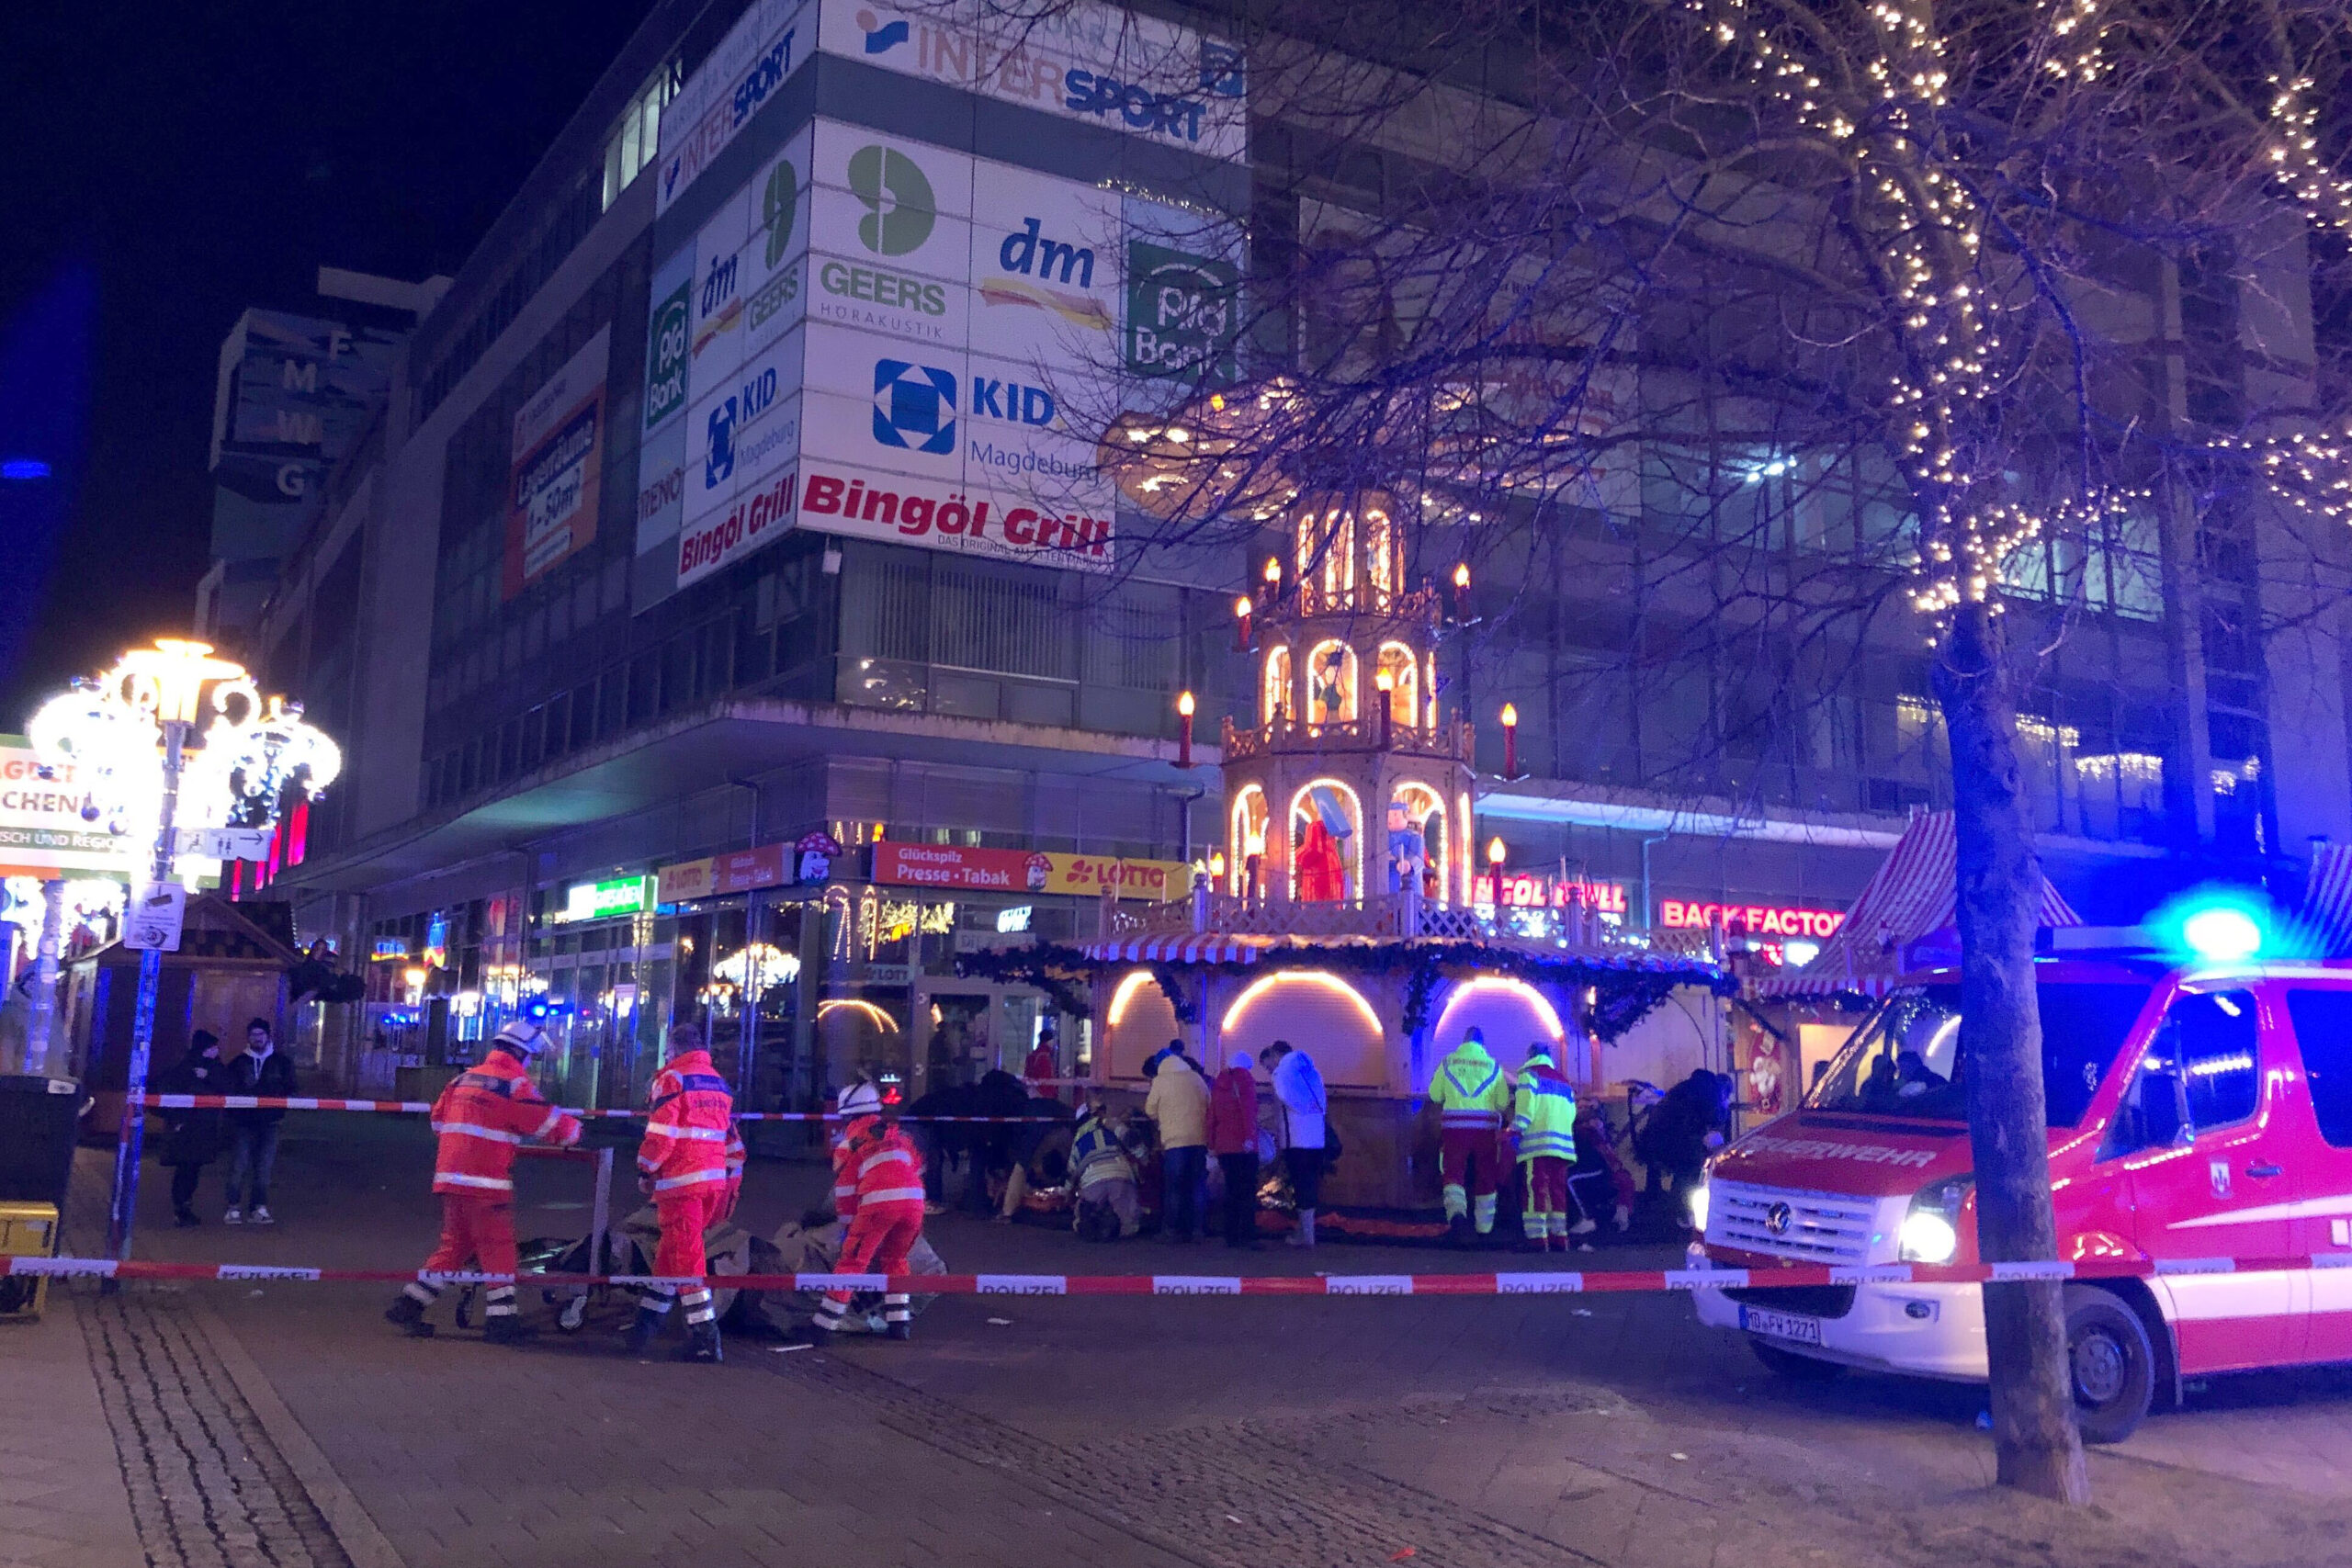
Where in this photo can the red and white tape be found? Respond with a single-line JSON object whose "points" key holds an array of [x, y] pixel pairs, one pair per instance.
{"points": [[1532, 1283], [422, 1107]]}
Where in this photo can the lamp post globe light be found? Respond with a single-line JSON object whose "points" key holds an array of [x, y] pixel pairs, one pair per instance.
{"points": [[178, 754]]}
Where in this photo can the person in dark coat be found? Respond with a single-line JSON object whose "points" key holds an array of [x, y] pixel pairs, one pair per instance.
{"points": [[1689, 1125], [998, 1094], [194, 1135]]}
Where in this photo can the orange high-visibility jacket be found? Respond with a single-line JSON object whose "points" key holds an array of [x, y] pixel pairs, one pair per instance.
{"points": [[690, 1132], [482, 1117], [876, 1167]]}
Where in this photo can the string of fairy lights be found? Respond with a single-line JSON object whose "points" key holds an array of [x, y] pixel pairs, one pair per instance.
{"points": [[1929, 228]]}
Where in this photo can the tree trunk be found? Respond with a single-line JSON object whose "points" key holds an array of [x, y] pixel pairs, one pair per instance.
{"points": [[2034, 1435]]}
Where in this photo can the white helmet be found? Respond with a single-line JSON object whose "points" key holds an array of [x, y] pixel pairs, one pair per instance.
{"points": [[860, 1098], [520, 1036]]}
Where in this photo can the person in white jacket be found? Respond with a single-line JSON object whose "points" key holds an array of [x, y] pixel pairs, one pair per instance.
{"points": [[1302, 1105]]}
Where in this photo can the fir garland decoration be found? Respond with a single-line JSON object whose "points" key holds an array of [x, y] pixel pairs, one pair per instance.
{"points": [[1628, 991]]}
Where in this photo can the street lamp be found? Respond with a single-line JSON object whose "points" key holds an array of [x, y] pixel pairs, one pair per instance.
{"points": [[162, 719], [1184, 706], [1510, 740], [1242, 613], [1495, 852]]}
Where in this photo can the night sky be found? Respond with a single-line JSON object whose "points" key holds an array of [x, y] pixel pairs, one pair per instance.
{"points": [[166, 166]]}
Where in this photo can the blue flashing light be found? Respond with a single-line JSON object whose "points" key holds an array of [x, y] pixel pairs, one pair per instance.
{"points": [[2219, 925], [2222, 935], [23, 468]]}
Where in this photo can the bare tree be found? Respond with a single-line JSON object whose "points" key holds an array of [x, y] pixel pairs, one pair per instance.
{"points": [[1583, 279]]}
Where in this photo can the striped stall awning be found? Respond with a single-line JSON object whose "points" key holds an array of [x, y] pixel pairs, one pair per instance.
{"points": [[2327, 899], [1916, 891], [1204, 949]]}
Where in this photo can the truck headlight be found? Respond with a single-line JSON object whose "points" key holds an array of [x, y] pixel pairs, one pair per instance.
{"points": [[1930, 1232], [1927, 1237], [1697, 1203]]}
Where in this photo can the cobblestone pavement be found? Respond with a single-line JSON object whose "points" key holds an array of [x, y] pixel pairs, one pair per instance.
{"points": [[1251, 1433], [63, 1501], [205, 1482]]}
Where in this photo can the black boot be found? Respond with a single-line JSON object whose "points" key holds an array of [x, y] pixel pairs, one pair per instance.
{"points": [[505, 1328], [637, 1337], [702, 1344], [407, 1315]]}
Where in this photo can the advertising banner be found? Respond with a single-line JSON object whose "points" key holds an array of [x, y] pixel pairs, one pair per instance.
{"points": [[668, 332], [552, 487], [1541, 890], [971, 869], [862, 504], [892, 340], [1097, 64], [1750, 920], [734, 83], [42, 833]]}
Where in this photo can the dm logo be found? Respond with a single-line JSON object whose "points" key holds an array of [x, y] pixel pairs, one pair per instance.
{"points": [[718, 452], [779, 208], [881, 36], [914, 407], [900, 210]]}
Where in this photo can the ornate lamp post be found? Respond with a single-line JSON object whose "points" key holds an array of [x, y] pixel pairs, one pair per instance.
{"points": [[173, 740]]}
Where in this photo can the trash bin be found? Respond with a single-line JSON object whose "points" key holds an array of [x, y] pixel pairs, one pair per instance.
{"points": [[38, 1118]]}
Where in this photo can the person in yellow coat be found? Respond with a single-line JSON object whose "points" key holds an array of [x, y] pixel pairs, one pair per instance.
{"points": [[1472, 1098], [1544, 1119]]}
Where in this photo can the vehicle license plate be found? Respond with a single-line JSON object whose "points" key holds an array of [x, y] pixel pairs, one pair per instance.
{"points": [[1781, 1324]]}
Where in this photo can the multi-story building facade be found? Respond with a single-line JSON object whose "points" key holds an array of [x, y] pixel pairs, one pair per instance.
{"points": [[741, 493]]}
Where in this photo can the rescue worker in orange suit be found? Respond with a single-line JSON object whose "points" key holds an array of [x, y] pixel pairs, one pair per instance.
{"points": [[690, 1162], [1472, 1100], [482, 1118], [878, 1186]]}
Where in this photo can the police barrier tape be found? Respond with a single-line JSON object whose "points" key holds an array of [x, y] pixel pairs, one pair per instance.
{"points": [[424, 1106], [1532, 1283]]}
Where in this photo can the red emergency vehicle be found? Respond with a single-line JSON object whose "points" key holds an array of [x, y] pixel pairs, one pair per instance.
{"points": [[2195, 1116]]}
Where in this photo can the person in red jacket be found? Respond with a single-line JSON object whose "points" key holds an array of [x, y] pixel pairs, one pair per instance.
{"points": [[877, 1186], [691, 1163], [1233, 1138], [1044, 1065], [482, 1118]]}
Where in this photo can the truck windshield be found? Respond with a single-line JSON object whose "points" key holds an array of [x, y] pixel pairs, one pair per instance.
{"points": [[1906, 1061]]}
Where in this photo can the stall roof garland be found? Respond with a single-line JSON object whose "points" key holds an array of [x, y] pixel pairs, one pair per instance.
{"points": [[1627, 993]]}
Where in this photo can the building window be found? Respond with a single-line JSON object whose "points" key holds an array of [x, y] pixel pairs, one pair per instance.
{"points": [[637, 139]]}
